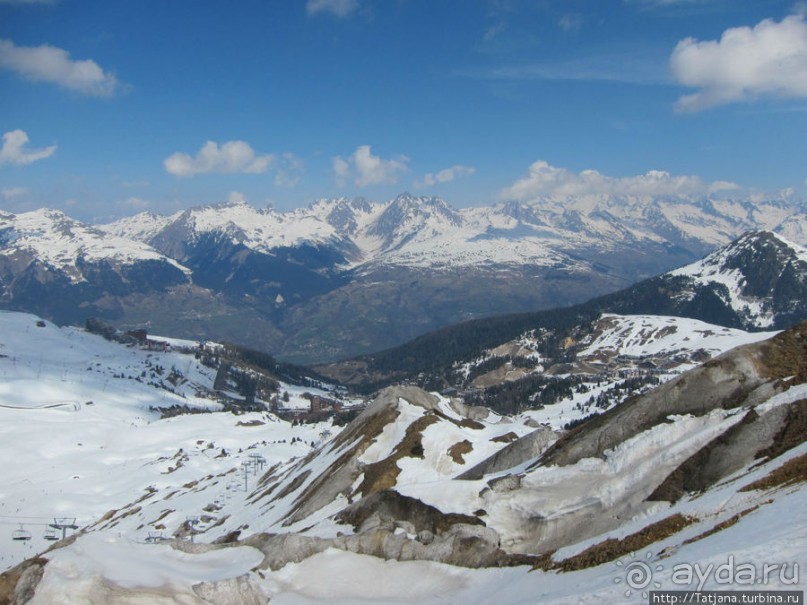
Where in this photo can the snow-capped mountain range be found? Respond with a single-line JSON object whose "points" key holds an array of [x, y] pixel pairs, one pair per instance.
{"points": [[64, 244], [347, 276], [427, 232]]}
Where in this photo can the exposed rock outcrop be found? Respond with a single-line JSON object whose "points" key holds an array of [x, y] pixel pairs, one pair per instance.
{"points": [[522, 450], [241, 590], [732, 380]]}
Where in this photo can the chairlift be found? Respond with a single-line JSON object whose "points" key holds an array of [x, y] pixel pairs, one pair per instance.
{"points": [[155, 537], [21, 534], [64, 523], [50, 534]]}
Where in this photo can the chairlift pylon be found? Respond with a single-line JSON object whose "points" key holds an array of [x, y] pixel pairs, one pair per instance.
{"points": [[155, 537]]}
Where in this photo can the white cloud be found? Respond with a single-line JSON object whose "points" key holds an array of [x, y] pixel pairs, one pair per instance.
{"points": [[656, 3], [769, 59], [787, 193], [368, 169], [631, 68], [545, 180], [445, 176], [570, 22], [50, 64], [493, 31], [136, 184], [11, 192], [342, 170], [135, 203], [14, 149], [340, 8], [289, 170], [229, 158], [235, 197]]}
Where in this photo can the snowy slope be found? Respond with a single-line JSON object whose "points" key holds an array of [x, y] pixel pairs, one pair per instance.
{"points": [[572, 509], [261, 230], [643, 336], [51, 237], [747, 273], [141, 227], [80, 416]]}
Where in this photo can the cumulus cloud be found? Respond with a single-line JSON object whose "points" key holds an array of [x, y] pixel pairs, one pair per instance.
{"points": [[340, 8], [445, 176], [368, 169], [228, 158], [14, 150], [545, 180], [50, 64], [769, 59], [10, 193]]}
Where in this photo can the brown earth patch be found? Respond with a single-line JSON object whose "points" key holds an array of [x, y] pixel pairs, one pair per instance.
{"points": [[791, 472], [467, 423], [250, 423], [10, 578], [612, 549], [383, 474], [293, 485], [458, 450], [506, 438], [721, 526], [162, 516], [785, 355]]}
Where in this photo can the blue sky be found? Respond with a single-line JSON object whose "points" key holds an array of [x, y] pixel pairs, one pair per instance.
{"points": [[110, 108]]}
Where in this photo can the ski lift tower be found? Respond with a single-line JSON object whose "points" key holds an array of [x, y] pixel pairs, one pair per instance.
{"points": [[63, 524], [257, 461]]}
